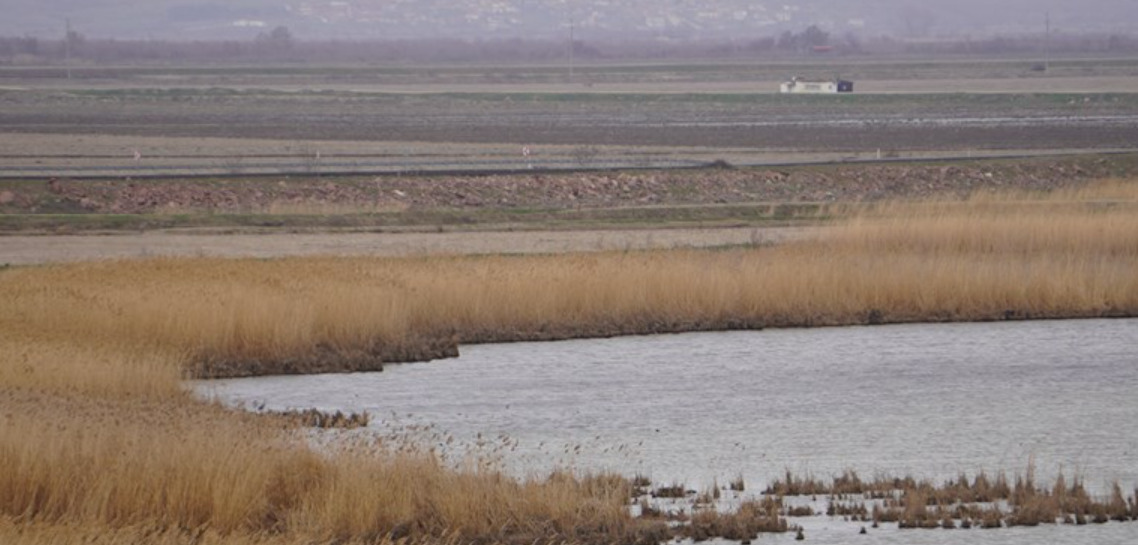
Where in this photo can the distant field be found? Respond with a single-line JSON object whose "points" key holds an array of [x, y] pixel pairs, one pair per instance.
{"points": [[604, 115], [756, 123], [1095, 73]]}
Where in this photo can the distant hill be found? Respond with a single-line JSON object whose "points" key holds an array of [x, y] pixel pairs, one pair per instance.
{"points": [[592, 19]]}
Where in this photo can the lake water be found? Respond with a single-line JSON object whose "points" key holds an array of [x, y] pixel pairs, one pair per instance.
{"points": [[930, 401]]}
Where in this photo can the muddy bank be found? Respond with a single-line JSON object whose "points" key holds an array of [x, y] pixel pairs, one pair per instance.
{"points": [[324, 359], [869, 317], [447, 345]]}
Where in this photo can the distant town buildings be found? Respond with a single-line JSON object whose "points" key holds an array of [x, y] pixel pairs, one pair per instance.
{"points": [[664, 20], [550, 18]]}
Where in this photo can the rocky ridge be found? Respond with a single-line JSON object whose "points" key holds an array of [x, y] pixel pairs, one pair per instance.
{"points": [[842, 183]]}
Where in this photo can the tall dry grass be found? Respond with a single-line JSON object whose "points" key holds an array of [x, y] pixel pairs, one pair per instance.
{"points": [[75, 459], [99, 437], [177, 466], [99, 434], [1067, 256], [61, 365]]}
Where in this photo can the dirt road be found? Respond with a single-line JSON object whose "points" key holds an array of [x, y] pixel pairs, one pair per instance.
{"points": [[30, 250]]}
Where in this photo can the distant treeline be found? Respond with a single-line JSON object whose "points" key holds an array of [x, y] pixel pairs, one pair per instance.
{"points": [[280, 46]]}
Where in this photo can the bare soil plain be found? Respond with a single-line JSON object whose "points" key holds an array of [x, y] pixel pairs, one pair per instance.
{"points": [[849, 124], [604, 115], [336, 152]]}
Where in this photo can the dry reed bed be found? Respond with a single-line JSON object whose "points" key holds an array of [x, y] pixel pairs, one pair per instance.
{"points": [[99, 433], [180, 467], [934, 262], [980, 501]]}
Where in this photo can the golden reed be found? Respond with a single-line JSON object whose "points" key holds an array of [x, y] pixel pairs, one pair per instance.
{"points": [[986, 260], [100, 438]]}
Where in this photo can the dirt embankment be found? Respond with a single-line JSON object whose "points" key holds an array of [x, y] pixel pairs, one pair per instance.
{"points": [[35, 249], [842, 183]]}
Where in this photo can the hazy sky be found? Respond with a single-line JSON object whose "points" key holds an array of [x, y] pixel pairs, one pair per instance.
{"points": [[593, 19]]}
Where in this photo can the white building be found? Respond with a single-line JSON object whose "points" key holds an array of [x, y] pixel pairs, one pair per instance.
{"points": [[796, 85]]}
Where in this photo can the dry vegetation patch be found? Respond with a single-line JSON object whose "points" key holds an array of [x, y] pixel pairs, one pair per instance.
{"points": [[976, 502], [99, 433], [1069, 255]]}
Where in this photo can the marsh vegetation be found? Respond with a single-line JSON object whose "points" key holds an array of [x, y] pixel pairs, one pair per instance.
{"points": [[1069, 254], [102, 439]]}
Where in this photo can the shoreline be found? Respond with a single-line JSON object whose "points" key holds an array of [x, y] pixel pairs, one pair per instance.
{"points": [[441, 348]]}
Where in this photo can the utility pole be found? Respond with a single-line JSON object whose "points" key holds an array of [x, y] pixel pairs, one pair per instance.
{"points": [[1047, 42], [67, 47], [571, 46]]}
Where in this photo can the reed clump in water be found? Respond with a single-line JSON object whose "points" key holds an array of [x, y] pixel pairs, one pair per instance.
{"points": [[800, 511], [793, 485], [743, 524], [976, 502], [737, 484], [853, 509], [847, 483], [315, 418], [672, 491]]}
